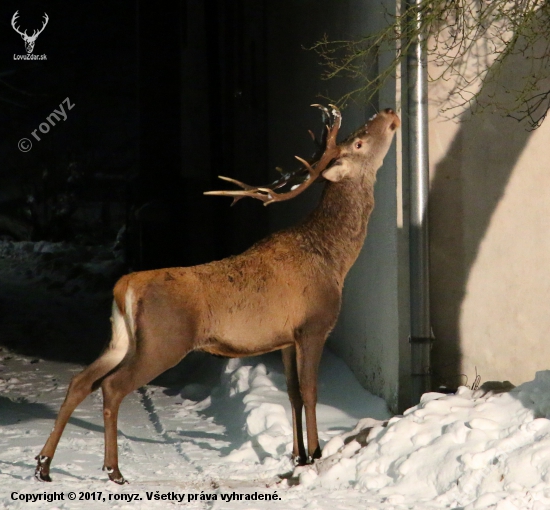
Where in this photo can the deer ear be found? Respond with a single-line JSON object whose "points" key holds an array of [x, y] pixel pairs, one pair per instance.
{"points": [[335, 173]]}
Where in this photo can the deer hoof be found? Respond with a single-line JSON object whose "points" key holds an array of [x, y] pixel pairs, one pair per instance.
{"points": [[316, 454], [42, 471], [299, 460], [115, 475]]}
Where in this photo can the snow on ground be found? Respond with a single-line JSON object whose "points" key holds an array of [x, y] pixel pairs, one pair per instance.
{"points": [[231, 432], [230, 436]]}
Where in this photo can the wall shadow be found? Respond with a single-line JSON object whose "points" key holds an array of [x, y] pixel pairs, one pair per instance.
{"points": [[467, 185]]}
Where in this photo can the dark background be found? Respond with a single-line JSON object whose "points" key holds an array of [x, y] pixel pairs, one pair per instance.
{"points": [[166, 98]]}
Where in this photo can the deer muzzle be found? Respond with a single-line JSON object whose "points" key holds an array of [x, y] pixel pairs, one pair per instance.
{"points": [[396, 121]]}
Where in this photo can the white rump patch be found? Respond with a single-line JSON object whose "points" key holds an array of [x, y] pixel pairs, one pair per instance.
{"points": [[130, 312], [120, 339]]}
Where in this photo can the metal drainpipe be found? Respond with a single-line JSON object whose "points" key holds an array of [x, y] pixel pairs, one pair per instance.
{"points": [[417, 100]]}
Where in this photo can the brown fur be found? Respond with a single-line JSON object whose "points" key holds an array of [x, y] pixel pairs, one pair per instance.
{"points": [[283, 293]]}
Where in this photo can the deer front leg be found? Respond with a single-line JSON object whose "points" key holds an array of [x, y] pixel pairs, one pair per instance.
{"points": [[308, 356], [293, 388]]}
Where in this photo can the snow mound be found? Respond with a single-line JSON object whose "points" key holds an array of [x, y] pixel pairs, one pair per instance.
{"points": [[267, 425], [469, 450]]}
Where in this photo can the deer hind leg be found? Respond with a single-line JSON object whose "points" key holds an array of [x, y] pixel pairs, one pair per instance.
{"points": [[293, 388], [80, 387], [308, 356], [137, 369], [163, 336], [114, 388]]}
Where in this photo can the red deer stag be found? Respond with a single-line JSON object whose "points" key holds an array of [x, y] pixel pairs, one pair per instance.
{"points": [[283, 293]]}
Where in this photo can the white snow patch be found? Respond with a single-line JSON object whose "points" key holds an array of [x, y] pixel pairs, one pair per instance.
{"points": [[467, 450]]}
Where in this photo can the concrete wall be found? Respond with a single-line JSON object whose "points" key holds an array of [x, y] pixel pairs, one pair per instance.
{"points": [[371, 331], [490, 248]]}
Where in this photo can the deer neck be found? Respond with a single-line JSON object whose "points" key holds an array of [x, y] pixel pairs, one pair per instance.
{"points": [[337, 228]]}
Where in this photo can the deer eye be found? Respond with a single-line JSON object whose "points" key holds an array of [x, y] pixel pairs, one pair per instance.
{"points": [[358, 145]]}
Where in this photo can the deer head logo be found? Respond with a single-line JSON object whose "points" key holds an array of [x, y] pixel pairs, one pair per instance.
{"points": [[29, 39]]}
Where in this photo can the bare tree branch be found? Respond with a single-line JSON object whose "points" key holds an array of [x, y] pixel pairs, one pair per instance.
{"points": [[468, 42]]}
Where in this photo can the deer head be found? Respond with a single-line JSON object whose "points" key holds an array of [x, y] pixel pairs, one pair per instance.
{"points": [[29, 39], [364, 148]]}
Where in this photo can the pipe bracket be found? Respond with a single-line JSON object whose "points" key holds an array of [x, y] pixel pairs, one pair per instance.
{"points": [[421, 340]]}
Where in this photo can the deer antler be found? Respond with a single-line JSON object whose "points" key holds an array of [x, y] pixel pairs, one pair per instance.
{"points": [[13, 20], [36, 33], [267, 194]]}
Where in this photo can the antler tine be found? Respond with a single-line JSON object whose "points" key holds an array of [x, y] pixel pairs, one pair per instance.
{"points": [[36, 33], [13, 20], [274, 185], [234, 181], [267, 194], [263, 193], [326, 113], [337, 115], [329, 123], [46, 19], [332, 127]]}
